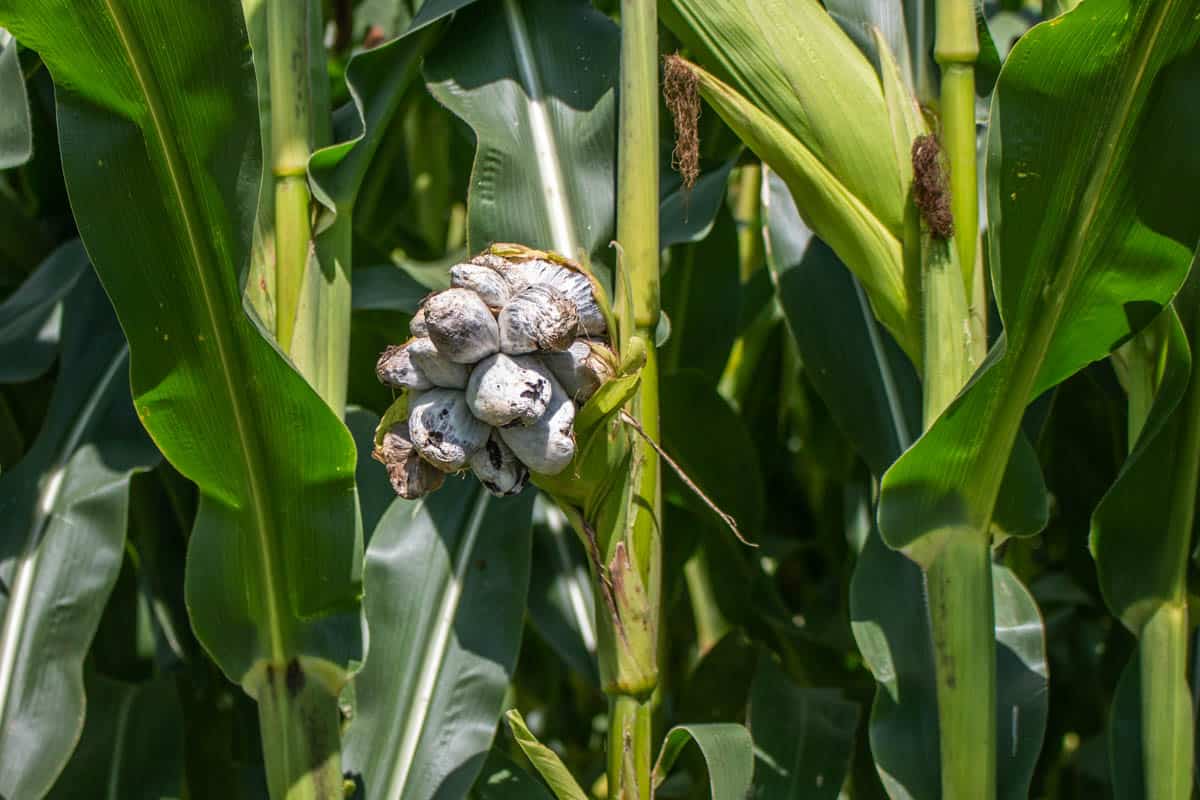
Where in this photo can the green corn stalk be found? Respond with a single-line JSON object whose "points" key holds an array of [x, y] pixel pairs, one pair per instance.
{"points": [[299, 717], [637, 290]]}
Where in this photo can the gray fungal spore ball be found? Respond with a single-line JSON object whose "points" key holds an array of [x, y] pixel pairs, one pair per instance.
{"points": [[539, 317], [483, 280], [574, 285], [439, 370], [416, 326], [461, 325], [582, 368], [548, 445], [509, 390], [395, 368], [498, 468], [443, 429]]}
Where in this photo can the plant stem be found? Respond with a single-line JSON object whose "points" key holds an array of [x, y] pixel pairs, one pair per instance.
{"points": [[1167, 758], [300, 734], [637, 292], [959, 587], [956, 49], [959, 580], [287, 48], [629, 742]]}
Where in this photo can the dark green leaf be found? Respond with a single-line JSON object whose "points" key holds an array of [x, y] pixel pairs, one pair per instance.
{"points": [[561, 604], [687, 215], [803, 738], [31, 316], [63, 513], [502, 779], [445, 587], [132, 744], [536, 81], [724, 465]]}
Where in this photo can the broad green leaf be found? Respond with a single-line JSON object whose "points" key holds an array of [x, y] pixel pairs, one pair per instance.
{"points": [[725, 466], [561, 603], [728, 753], [861, 18], [536, 82], [31, 317], [162, 162], [1090, 238], [794, 87], [502, 779], [803, 738], [16, 129], [132, 744], [63, 512], [544, 760], [445, 579]]}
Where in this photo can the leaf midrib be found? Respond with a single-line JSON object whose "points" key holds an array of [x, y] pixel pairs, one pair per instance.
{"points": [[171, 159], [550, 171]]}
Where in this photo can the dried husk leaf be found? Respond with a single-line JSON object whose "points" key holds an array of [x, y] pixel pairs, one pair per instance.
{"points": [[509, 390], [410, 475], [395, 368], [443, 429], [461, 325]]}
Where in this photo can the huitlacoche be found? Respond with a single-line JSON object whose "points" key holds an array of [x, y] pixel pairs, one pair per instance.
{"points": [[494, 371]]}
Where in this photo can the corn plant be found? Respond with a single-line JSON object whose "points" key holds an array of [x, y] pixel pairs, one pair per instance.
{"points": [[497, 399]]}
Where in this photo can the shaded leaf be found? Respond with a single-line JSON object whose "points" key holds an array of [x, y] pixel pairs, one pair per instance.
{"points": [[803, 738], [445, 583], [63, 514], [502, 779], [30, 318], [536, 82], [132, 744]]}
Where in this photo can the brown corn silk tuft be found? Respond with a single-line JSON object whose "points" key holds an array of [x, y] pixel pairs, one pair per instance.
{"points": [[683, 101], [931, 192]]}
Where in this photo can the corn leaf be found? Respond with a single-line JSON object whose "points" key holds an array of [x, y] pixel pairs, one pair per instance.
{"points": [[132, 744], [1141, 537], [536, 81], [63, 513], [31, 317], [445, 581], [800, 94], [502, 779], [803, 737], [544, 760], [728, 753], [873, 395], [162, 161], [16, 129], [1090, 238]]}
